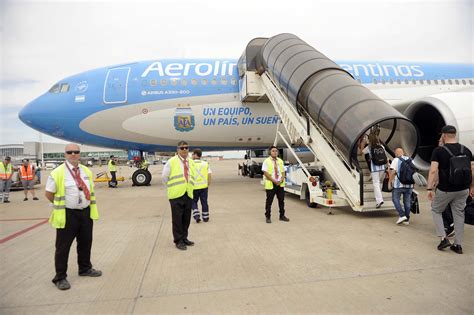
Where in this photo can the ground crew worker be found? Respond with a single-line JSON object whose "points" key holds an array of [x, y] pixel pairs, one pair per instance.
{"points": [[178, 176], [274, 176], [6, 173], [202, 181], [113, 172], [27, 175], [71, 190]]}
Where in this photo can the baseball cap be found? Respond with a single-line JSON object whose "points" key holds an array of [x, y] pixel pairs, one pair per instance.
{"points": [[448, 129]]}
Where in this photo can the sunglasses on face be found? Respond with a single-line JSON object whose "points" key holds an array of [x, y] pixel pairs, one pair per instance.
{"points": [[184, 148], [71, 152]]}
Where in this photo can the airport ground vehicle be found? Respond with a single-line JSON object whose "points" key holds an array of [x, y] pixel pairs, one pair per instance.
{"points": [[252, 164]]}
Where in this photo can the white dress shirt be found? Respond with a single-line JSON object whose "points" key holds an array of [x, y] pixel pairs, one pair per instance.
{"points": [[167, 169], [75, 199], [280, 171]]}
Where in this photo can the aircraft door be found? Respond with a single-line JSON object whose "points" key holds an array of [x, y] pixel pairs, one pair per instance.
{"points": [[115, 87]]}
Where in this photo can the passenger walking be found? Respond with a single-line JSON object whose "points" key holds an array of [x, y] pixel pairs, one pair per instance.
{"points": [[178, 176], [202, 181], [378, 164], [71, 190], [453, 164], [27, 174], [274, 177], [113, 172], [401, 175], [6, 173]]}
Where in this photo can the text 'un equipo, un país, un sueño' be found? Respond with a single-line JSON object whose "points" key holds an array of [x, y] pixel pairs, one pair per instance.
{"points": [[235, 116]]}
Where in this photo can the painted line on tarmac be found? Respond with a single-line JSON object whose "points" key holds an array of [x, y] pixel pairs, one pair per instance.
{"points": [[27, 219], [14, 235]]}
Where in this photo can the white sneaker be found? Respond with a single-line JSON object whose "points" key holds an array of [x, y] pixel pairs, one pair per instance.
{"points": [[406, 222], [401, 219]]}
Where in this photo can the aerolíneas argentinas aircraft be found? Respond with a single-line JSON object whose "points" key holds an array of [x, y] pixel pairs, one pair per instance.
{"points": [[151, 105]]}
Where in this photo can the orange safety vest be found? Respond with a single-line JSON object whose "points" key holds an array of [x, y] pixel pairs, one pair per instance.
{"points": [[28, 173]]}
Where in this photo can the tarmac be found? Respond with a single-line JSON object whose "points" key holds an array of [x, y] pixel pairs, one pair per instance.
{"points": [[346, 262]]}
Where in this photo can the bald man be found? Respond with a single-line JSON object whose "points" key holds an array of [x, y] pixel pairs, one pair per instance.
{"points": [[71, 190], [401, 188]]}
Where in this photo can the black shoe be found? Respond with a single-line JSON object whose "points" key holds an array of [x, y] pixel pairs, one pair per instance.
{"points": [[35, 198], [269, 220], [6, 201], [444, 243], [188, 242], [206, 220], [283, 218], [379, 205], [91, 273], [456, 248], [62, 284], [25, 199], [198, 220], [181, 246], [450, 231]]}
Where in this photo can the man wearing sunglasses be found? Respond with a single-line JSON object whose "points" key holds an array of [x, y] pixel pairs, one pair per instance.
{"points": [[178, 176], [71, 190]]}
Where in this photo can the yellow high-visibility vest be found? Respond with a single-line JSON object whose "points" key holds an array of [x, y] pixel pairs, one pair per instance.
{"points": [[58, 215], [112, 167], [5, 172], [270, 170], [202, 175], [177, 185]]}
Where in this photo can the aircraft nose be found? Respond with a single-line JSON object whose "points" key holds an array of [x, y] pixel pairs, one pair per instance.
{"points": [[26, 114], [38, 114]]}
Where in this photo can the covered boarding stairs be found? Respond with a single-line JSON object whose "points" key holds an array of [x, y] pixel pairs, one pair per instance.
{"points": [[324, 108]]}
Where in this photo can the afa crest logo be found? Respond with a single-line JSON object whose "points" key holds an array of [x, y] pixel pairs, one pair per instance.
{"points": [[184, 119]]}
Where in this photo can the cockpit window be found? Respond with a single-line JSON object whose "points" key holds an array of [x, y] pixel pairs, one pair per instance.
{"points": [[54, 89], [64, 88]]}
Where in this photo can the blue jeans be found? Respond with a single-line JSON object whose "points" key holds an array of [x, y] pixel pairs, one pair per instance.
{"points": [[406, 192]]}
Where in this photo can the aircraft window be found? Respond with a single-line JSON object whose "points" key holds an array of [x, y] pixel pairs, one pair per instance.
{"points": [[422, 82], [399, 82], [54, 89], [450, 81], [223, 81], [406, 81], [436, 82], [194, 82], [213, 81], [374, 81], [413, 81], [153, 82], [428, 81], [184, 82], [64, 88], [391, 81], [443, 82], [174, 82], [164, 82], [471, 82], [233, 81], [464, 82], [204, 81], [383, 81], [457, 82]]}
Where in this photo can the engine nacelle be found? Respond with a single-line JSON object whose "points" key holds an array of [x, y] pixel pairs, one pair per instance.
{"points": [[431, 113]]}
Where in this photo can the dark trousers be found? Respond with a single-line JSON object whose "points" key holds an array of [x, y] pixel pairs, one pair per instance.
{"points": [[200, 194], [181, 217], [280, 193], [114, 178], [78, 226]]}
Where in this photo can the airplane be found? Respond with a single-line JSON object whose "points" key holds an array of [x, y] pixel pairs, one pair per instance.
{"points": [[149, 106]]}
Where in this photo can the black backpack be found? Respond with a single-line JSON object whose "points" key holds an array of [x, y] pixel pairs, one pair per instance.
{"points": [[459, 168], [406, 171], [378, 155]]}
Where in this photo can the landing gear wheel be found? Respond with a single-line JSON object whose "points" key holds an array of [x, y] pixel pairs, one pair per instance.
{"points": [[308, 203], [141, 178]]}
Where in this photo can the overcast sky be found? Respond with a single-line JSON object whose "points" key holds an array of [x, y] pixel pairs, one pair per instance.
{"points": [[45, 41]]}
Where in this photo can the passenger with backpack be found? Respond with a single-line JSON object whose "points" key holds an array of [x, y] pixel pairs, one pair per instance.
{"points": [[401, 175], [378, 164], [453, 164]]}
